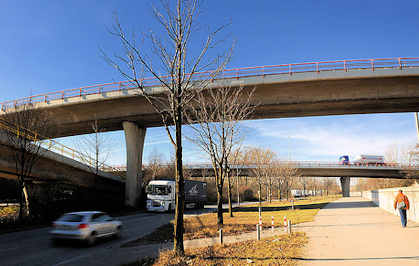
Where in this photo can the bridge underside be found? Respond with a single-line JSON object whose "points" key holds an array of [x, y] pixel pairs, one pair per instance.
{"points": [[276, 97]]}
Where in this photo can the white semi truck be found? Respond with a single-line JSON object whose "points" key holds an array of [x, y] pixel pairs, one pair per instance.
{"points": [[161, 194], [364, 159]]}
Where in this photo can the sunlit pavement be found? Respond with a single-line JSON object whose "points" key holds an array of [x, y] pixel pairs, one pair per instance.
{"points": [[353, 231]]}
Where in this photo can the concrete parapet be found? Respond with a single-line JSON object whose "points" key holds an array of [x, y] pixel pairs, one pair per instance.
{"points": [[384, 198]]}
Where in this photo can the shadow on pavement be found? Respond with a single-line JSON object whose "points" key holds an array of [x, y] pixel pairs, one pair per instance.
{"points": [[340, 225], [353, 204], [282, 208], [314, 259], [332, 205], [362, 259]]}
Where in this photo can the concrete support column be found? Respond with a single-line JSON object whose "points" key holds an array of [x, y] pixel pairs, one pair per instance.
{"points": [[345, 183], [134, 139]]}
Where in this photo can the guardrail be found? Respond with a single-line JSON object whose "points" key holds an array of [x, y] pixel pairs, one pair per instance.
{"points": [[55, 146], [236, 73], [302, 164]]}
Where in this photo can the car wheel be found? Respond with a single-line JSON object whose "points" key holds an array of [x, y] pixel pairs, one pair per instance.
{"points": [[55, 242], [91, 239], [118, 232]]}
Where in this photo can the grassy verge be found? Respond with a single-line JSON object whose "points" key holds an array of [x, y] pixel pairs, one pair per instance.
{"points": [[278, 250], [244, 220], [8, 215], [9, 211]]}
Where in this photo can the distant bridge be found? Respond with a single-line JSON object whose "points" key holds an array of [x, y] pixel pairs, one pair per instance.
{"points": [[315, 169]]}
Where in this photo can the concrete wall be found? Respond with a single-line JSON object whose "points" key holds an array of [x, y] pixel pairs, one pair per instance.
{"points": [[384, 198]]}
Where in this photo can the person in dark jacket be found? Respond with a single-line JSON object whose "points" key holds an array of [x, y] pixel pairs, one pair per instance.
{"points": [[401, 202]]}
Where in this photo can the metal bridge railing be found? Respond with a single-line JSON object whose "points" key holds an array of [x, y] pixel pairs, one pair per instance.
{"points": [[55, 146], [303, 164], [236, 73]]}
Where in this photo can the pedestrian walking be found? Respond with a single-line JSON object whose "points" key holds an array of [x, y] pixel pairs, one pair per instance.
{"points": [[402, 204]]}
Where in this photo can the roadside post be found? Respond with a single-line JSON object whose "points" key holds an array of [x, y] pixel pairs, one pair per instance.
{"points": [[221, 235], [272, 224], [258, 232], [289, 227], [285, 223]]}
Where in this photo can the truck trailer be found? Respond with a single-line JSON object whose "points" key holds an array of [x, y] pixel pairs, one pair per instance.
{"points": [[364, 159], [161, 194]]}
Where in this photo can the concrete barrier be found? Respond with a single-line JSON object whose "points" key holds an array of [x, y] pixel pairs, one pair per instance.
{"points": [[384, 198]]}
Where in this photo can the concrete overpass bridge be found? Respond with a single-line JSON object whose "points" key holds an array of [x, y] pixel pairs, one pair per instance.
{"points": [[321, 169], [291, 90], [55, 177]]}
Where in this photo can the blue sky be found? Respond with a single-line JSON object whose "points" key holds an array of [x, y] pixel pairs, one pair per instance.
{"points": [[54, 45]]}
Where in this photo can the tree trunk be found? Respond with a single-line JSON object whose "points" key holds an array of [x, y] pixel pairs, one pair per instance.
{"points": [[26, 198], [267, 192], [238, 191], [220, 220], [279, 191], [230, 207], [180, 193], [21, 207]]}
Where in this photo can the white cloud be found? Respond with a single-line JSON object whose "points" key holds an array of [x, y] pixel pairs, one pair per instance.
{"points": [[310, 142]]}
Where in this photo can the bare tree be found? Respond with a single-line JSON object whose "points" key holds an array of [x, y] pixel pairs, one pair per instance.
{"points": [[290, 175], [95, 148], [24, 128], [262, 160], [214, 118], [277, 175], [236, 161], [174, 57], [155, 164], [328, 185]]}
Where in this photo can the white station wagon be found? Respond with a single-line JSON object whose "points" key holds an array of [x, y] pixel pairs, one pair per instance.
{"points": [[86, 226]]}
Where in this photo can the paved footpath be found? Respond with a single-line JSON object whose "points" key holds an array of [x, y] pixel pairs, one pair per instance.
{"points": [[353, 231]]}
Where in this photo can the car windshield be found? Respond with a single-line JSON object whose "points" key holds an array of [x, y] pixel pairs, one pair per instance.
{"points": [[71, 218], [158, 190]]}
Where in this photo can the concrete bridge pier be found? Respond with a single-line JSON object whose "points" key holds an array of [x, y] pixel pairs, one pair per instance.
{"points": [[134, 139], [345, 183]]}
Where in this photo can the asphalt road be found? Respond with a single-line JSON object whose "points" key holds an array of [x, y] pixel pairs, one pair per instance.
{"points": [[33, 247]]}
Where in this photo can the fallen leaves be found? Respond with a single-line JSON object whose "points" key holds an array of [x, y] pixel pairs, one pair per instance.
{"points": [[279, 250]]}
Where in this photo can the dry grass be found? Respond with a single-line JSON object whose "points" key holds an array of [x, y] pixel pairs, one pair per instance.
{"points": [[279, 250], [8, 218], [8, 211], [245, 218]]}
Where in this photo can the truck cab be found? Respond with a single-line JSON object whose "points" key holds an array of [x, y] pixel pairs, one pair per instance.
{"points": [[161, 195]]}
